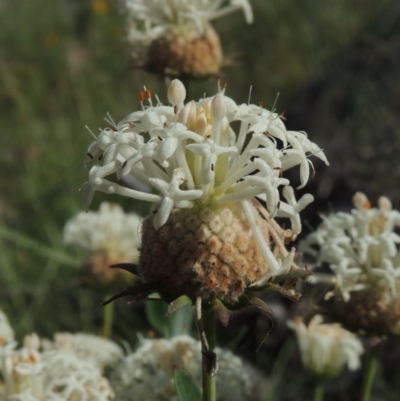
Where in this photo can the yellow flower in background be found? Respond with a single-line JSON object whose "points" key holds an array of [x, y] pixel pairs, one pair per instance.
{"points": [[51, 39], [100, 7]]}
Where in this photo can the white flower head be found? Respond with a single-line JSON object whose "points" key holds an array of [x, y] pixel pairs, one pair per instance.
{"points": [[109, 231], [88, 347], [361, 247], [326, 348], [206, 177], [52, 375], [66, 377], [150, 370]]}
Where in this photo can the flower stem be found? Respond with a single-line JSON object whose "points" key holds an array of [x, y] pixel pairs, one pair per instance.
{"points": [[209, 383], [319, 391], [369, 373], [108, 319]]}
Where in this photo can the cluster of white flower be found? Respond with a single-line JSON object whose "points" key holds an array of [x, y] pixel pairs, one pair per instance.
{"points": [[87, 347], [109, 231], [150, 370], [70, 369], [327, 348], [152, 19], [360, 247], [191, 154], [73, 368]]}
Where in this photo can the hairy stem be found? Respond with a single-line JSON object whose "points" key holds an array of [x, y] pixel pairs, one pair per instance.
{"points": [[205, 320]]}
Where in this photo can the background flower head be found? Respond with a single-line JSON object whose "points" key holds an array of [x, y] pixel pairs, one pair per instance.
{"points": [[150, 370], [326, 348], [175, 37], [110, 236], [361, 249]]}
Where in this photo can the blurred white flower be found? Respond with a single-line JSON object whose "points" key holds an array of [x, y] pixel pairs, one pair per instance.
{"points": [[362, 251], [87, 347], [152, 19], [150, 370], [6, 331], [53, 375], [22, 370], [326, 348], [109, 231], [360, 247], [66, 377], [175, 37]]}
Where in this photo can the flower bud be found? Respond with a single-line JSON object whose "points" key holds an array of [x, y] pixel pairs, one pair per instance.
{"points": [[218, 106], [176, 93]]}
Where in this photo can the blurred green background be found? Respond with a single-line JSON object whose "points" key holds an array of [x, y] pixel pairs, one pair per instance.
{"points": [[65, 64]]}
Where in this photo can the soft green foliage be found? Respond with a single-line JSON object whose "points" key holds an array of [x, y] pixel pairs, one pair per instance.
{"points": [[186, 387], [169, 326]]}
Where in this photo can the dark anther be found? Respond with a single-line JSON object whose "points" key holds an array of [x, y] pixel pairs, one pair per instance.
{"points": [[90, 155]]}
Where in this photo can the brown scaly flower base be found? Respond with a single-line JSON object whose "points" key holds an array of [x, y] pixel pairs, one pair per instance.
{"points": [[187, 53], [204, 251], [96, 269], [369, 312], [207, 256], [209, 252]]}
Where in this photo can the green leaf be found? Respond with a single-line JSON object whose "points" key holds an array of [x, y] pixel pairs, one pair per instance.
{"points": [[186, 387], [260, 304], [138, 291], [179, 303], [292, 274], [128, 267], [221, 311], [30, 243], [168, 327], [293, 296]]}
